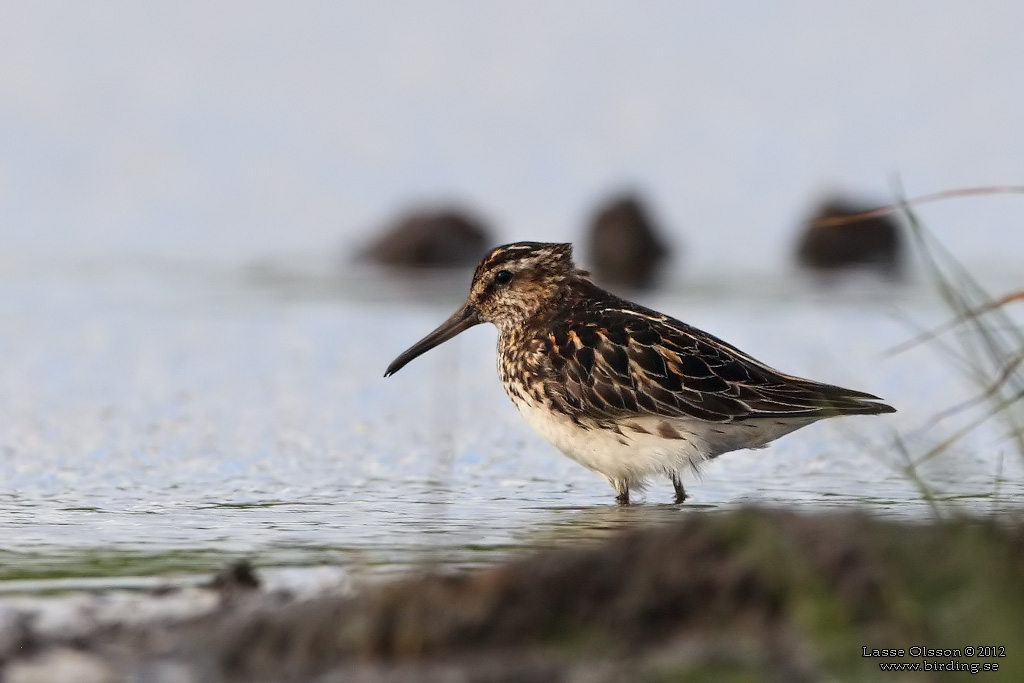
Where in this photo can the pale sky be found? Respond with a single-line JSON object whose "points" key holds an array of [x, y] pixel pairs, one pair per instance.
{"points": [[241, 129]]}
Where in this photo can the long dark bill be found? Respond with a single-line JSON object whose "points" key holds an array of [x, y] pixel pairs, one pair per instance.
{"points": [[463, 319]]}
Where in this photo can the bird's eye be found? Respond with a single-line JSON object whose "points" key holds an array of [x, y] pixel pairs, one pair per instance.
{"points": [[502, 277]]}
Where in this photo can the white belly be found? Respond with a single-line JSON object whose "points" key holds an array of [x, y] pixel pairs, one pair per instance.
{"points": [[630, 456]]}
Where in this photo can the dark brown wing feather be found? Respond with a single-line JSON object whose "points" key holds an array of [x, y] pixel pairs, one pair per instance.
{"points": [[623, 359]]}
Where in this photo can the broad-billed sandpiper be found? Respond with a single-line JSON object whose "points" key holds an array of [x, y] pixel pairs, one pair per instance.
{"points": [[623, 390]]}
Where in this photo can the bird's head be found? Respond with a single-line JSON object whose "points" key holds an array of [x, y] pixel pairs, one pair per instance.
{"points": [[510, 285]]}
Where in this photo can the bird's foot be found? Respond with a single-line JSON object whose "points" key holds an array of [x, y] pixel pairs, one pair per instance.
{"points": [[677, 484]]}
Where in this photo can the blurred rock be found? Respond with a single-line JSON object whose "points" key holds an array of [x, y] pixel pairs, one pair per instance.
{"points": [[442, 238], [237, 577], [623, 246], [871, 242]]}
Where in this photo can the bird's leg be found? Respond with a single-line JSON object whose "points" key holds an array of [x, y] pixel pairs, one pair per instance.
{"points": [[622, 488], [677, 484]]}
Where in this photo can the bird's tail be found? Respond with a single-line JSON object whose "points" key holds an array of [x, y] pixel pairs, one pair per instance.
{"points": [[834, 401]]}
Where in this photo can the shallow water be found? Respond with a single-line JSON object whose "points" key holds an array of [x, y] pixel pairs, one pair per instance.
{"points": [[163, 418]]}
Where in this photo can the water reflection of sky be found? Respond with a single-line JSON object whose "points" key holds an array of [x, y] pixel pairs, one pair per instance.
{"points": [[150, 412]]}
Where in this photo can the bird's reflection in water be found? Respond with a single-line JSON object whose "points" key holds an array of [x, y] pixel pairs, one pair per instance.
{"points": [[590, 524]]}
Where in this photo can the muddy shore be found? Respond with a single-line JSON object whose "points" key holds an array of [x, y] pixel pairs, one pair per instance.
{"points": [[750, 595]]}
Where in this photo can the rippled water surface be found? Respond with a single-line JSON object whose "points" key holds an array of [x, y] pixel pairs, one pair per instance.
{"points": [[161, 418]]}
